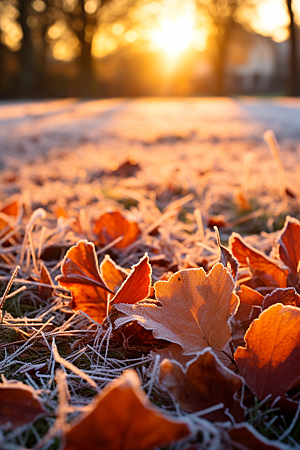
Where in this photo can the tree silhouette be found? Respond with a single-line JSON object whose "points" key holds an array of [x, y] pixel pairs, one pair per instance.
{"points": [[294, 82]]}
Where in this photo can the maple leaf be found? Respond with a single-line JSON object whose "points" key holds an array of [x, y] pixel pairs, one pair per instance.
{"points": [[286, 296], [289, 244], [80, 275], [112, 225], [257, 260], [122, 418], [195, 310], [204, 383], [19, 405], [270, 361], [89, 287]]}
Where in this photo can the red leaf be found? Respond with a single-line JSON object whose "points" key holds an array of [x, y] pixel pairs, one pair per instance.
{"points": [[113, 225], [286, 296], [289, 244]]}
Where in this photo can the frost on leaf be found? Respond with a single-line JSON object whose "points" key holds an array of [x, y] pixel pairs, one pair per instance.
{"points": [[195, 312], [112, 225], [286, 296], [112, 274], [258, 261], [122, 418], [204, 383], [244, 436], [81, 276], [289, 244], [270, 361], [19, 405]]}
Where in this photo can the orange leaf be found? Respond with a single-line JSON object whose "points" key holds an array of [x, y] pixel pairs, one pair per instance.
{"points": [[112, 225], [112, 274], [289, 244], [121, 418], [137, 286], [270, 361], [12, 209], [286, 296], [204, 383], [195, 311], [81, 276], [19, 405], [249, 296], [258, 260], [45, 278]]}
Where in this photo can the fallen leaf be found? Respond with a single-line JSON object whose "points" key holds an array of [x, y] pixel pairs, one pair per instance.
{"points": [[80, 275], [112, 274], [227, 259], [196, 309], [137, 285], [45, 278], [245, 437], [112, 225], [19, 405], [204, 383], [122, 418], [289, 244], [257, 260], [249, 296], [286, 296], [270, 362]]}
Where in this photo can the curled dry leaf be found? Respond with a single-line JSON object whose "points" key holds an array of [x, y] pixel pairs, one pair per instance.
{"points": [[257, 260], [244, 437], [270, 362], [196, 309], [204, 383], [289, 244], [226, 258], [286, 296], [81, 276], [122, 418], [19, 405], [45, 278], [112, 225], [249, 296]]}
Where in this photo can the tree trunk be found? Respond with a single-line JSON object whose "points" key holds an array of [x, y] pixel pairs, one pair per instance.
{"points": [[86, 78], [293, 82]]}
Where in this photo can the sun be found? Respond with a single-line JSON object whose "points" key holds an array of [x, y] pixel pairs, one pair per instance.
{"points": [[174, 36]]}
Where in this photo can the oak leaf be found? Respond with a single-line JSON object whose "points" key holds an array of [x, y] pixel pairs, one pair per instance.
{"points": [[270, 362], [122, 418], [19, 405], [204, 383], [195, 312], [245, 254], [112, 225]]}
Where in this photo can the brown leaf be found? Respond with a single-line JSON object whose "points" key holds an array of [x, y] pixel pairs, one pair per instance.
{"points": [[227, 259], [289, 244], [80, 274], [121, 418], [112, 225], [45, 278], [286, 296], [195, 311], [112, 274], [19, 405], [257, 260], [249, 296], [137, 286], [204, 383], [248, 438], [270, 361]]}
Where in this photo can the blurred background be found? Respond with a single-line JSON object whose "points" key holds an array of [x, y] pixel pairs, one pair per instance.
{"points": [[115, 48]]}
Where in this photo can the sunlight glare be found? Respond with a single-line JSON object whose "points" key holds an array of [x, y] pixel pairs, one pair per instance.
{"points": [[174, 36]]}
